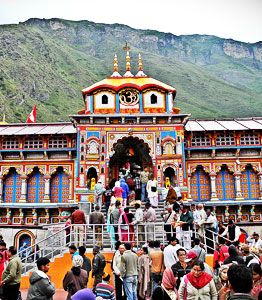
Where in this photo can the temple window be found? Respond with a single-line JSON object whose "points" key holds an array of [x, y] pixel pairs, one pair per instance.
{"points": [[200, 140], [92, 148], [249, 139], [10, 143], [153, 99], [33, 142], [104, 99], [225, 139], [57, 142]]}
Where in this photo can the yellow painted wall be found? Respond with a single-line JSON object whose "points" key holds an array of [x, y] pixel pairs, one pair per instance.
{"points": [[61, 265]]}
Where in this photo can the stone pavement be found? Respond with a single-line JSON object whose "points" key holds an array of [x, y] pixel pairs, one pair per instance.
{"points": [[59, 295]]}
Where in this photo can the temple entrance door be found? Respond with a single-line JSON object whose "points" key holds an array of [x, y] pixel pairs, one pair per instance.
{"points": [[131, 155], [170, 173]]}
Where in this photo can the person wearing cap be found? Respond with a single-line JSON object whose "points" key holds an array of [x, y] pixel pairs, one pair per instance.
{"points": [[98, 266], [75, 279], [98, 192], [97, 219], [197, 284], [84, 294], [78, 219], [186, 220], [104, 289], [192, 257], [138, 222]]}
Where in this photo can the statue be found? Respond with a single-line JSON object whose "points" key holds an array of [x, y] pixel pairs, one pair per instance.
{"points": [[92, 184], [167, 182]]}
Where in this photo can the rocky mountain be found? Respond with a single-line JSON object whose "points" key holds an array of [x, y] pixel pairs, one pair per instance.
{"points": [[48, 62]]}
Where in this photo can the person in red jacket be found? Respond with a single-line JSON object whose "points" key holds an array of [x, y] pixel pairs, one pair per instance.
{"points": [[78, 218]]}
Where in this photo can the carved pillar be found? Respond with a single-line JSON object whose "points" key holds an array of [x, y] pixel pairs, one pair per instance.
{"points": [[47, 216], [21, 216], [260, 185], [1, 188], [47, 178], [239, 213], [213, 177], [23, 189], [34, 213], [71, 192], [189, 196], [237, 176], [9, 215]]}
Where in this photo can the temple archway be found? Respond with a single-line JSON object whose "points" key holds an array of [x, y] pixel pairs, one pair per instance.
{"points": [[131, 154], [91, 173], [170, 173]]}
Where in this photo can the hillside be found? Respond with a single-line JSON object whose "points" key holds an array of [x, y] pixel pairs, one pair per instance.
{"points": [[48, 62]]}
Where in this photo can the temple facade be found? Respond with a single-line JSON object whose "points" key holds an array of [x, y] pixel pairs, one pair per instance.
{"points": [[128, 122]]}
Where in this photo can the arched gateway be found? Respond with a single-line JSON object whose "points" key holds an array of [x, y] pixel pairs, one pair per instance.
{"points": [[131, 155]]}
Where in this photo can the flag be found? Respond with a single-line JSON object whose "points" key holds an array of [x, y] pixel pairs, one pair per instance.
{"points": [[32, 116]]}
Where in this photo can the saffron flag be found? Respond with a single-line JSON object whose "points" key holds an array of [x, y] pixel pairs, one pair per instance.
{"points": [[32, 116]]}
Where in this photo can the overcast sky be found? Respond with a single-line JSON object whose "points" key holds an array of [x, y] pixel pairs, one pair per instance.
{"points": [[237, 19]]}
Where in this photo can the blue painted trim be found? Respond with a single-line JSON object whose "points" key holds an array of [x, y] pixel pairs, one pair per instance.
{"points": [[14, 188], [91, 104], [77, 153], [198, 186], [167, 106], [141, 103], [223, 185], [60, 187], [37, 187], [248, 184], [184, 159], [117, 103]]}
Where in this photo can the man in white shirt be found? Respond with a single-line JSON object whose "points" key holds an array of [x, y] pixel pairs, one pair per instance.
{"points": [[210, 227], [139, 216], [169, 217], [170, 255], [254, 241]]}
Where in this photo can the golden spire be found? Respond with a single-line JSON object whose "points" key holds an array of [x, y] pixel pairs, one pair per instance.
{"points": [[140, 63], [128, 65], [115, 73], [140, 72], [115, 64]]}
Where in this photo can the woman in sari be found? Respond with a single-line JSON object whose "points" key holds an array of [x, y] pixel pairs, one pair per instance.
{"points": [[126, 228]]}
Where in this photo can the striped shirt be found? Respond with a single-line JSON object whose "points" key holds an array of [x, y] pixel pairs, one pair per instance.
{"points": [[105, 291]]}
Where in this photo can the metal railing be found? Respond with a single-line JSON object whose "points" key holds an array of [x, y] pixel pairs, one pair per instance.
{"points": [[60, 237]]}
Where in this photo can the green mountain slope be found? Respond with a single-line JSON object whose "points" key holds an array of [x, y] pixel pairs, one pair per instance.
{"points": [[48, 62]]}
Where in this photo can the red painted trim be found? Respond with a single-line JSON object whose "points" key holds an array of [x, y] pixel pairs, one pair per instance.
{"points": [[129, 85]]}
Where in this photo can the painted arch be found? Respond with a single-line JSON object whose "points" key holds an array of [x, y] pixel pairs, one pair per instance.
{"points": [[200, 185], [35, 186], [225, 184], [250, 183], [59, 186], [12, 186]]}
